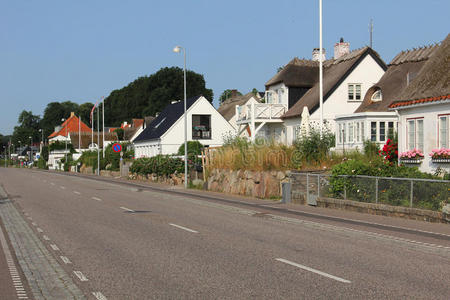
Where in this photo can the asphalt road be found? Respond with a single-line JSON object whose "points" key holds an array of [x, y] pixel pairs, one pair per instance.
{"points": [[128, 242]]}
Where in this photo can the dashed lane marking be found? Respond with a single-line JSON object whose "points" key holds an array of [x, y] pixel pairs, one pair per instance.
{"points": [[80, 276], [54, 247], [39, 230], [46, 237], [127, 209], [184, 228], [65, 260], [62, 187], [97, 199], [76, 192], [313, 270], [99, 296]]}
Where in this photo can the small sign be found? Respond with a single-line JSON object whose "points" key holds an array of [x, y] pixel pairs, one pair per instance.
{"points": [[117, 147]]}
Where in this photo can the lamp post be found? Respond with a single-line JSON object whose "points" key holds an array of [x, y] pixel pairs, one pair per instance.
{"points": [[41, 144], [177, 49], [31, 150], [4, 148], [65, 152]]}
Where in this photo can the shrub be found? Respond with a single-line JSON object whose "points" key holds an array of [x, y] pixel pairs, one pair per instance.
{"points": [[159, 165], [313, 147], [370, 148], [390, 151], [194, 148]]}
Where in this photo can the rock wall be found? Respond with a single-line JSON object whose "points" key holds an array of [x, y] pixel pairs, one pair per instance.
{"points": [[260, 184], [174, 179]]}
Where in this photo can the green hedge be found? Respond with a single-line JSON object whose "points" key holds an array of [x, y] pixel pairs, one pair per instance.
{"points": [[159, 165]]}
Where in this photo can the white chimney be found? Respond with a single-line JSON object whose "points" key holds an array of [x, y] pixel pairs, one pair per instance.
{"points": [[316, 54], [341, 48]]}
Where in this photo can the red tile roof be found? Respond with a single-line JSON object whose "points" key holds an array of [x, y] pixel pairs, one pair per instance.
{"points": [[418, 101], [72, 126]]}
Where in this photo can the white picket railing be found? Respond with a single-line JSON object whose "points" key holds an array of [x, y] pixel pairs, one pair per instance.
{"points": [[260, 111]]}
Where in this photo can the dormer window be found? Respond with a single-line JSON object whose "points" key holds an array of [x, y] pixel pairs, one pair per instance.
{"points": [[377, 96]]}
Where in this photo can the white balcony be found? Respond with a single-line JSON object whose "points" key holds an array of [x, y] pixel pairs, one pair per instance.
{"points": [[261, 112]]}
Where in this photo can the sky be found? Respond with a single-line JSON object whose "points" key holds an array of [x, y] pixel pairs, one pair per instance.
{"points": [[81, 50]]}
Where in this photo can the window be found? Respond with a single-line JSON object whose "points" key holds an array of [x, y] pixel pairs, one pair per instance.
{"points": [[443, 132], [354, 92], [415, 134], [373, 131], [362, 131], [358, 136], [201, 127], [350, 132], [377, 96], [390, 130], [382, 131]]}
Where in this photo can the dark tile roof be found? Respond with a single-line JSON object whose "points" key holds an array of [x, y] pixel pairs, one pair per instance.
{"points": [[334, 73], [165, 120], [227, 108]]}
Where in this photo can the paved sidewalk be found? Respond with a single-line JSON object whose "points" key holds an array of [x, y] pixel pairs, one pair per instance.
{"points": [[45, 276], [7, 290]]}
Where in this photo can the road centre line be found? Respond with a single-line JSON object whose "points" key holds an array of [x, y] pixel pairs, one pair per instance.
{"points": [[63, 187], [65, 260], [313, 270], [39, 230], [52, 183], [127, 209], [46, 237], [54, 247], [80, 276], [184, 228], [76, 192], [95, 198], [99, 296]]}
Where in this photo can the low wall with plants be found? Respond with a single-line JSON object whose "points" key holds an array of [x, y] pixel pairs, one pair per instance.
{"points": [[161, 168], [260, 184]]}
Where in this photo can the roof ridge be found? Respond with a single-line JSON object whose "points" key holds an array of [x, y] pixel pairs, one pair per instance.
{"points": [[414, 54]]}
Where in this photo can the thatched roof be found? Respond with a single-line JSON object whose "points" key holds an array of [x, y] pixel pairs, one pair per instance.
{"points": [[403, 68], [434, 78], [228, 108], [86, 139], [334, 73]]}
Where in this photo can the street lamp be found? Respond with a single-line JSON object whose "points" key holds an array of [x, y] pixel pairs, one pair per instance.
{"points": [[65, 152], [4, 148], [177, 49], [42, 140], [31, 150]]}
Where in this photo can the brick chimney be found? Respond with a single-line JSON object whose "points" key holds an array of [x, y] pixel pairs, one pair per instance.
{"points": [[234, 93], [72, 114], [341, 48], [316, 54]]}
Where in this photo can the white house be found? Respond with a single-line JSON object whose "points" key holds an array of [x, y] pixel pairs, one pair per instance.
{"points": [[424, 111], [165, 134], [347, 77], [373, 120], [238, 106]]}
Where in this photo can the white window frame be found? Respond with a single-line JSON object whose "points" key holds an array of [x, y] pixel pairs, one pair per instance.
{"points": [[350, 132], [352, 92], [377, 96], [373, 134], [379, 132], [415, 136], [443, 131]]}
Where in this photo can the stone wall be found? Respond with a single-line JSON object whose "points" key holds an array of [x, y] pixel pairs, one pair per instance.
{"points": [[260, 184], [174, 179]]}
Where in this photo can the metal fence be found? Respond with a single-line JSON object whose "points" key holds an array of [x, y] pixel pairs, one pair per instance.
{"points": [[408, 192]]}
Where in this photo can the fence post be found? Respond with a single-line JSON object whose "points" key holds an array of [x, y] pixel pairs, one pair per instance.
{"points": [[307, 187], [376, 190], [345, 191], [318, 185], [412, 194]]}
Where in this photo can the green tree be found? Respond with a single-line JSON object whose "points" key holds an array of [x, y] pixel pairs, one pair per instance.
{"points": [[148, 95], [28, 127], [227, 94]]}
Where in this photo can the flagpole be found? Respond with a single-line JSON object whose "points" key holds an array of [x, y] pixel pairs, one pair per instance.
{"points": [[103, 119], [79, 134], [320, 69], [98, 142]]}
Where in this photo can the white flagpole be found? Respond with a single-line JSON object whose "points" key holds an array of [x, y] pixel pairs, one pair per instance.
{"points": [[79, 134], [103, 118], [320, 68], [98, 142]]}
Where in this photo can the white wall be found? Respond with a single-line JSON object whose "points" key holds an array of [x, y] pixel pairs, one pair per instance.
{"points": [[429, 113], [174, 136], [284, 99], [367, 73]]}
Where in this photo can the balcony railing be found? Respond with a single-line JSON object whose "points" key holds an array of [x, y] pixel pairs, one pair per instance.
{"points": [[260, 112]]}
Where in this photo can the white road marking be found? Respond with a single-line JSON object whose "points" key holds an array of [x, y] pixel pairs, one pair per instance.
{"points": [[39, 230], [184, 228], [80, 276], [127, 209], [99, 296], [65, 260], [63, 187], [312, 270], [97, 199], [54, 247], [52, 183], [46, 237], [30, 218], [34, 224], [76, 192]]}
